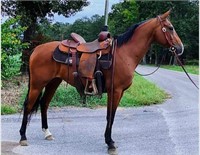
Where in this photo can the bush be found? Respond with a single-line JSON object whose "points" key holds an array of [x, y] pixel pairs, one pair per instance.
{"points": [[192, 62], [11, 47], [8, 109], [11, 66]]}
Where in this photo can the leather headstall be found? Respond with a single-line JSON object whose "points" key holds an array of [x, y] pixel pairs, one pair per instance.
{"points": [[168, 35]]}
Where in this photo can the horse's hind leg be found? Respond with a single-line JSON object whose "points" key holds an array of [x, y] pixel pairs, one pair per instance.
{"points": [[32, 101], [44, 104]]}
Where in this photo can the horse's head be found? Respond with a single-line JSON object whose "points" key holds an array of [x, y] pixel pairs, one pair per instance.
{"points": [[166, 35]]}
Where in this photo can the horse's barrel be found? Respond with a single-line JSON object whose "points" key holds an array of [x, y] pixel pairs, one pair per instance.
{"points": [[103, 36]]}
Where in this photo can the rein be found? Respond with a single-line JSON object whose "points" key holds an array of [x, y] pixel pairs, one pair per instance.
{"points": [[154, 70], [173, 49], [180, 63]]}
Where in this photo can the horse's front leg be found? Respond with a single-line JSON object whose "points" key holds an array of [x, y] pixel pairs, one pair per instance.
{"points": [[117, 94], [48, 94]]}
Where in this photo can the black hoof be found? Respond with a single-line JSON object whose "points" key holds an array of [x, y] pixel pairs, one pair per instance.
{"points": [[111, 145]]}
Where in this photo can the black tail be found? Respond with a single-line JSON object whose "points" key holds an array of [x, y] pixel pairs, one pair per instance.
{"points": [[36, 104]]}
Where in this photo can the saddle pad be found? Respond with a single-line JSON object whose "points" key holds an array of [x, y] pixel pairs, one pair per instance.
{"points": [[61, 57], [65, 58]]}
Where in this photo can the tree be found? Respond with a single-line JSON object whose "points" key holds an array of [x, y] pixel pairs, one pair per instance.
{"points": [[52, 31], [89, 28], [33, 11], [122, 16]]}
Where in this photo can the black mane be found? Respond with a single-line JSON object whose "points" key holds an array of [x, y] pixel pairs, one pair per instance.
{"points": [[126, 36]]}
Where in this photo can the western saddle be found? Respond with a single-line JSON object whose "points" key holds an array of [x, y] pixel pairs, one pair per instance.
{"points": [[89, 54]]}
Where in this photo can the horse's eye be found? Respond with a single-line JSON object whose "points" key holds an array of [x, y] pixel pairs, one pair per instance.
{"points": [[171, 28]]}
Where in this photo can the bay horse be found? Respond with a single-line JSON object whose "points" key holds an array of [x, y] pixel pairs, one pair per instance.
{"points": [[130, 49]]}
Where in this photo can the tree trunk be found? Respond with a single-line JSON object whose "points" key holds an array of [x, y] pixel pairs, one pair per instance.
{"points": [[28, 35], [175, 61], [144, 62], [156, 58]]}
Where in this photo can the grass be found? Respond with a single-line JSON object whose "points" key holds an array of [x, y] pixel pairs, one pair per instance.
{"points": [[7, 109], [141, 93], [193, 69]]}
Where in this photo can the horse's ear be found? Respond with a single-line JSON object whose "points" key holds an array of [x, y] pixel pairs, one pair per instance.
{"points": [[166, 14]]}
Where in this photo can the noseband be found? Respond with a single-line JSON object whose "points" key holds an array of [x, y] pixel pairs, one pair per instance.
{"points": [[169, 37]]}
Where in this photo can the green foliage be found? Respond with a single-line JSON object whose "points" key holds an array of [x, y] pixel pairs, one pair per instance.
{"points": [[31, 10], [142, 92], [11, 67], [11, 47], [192, 62], [123, 15], [89, 28], [7, 109]]}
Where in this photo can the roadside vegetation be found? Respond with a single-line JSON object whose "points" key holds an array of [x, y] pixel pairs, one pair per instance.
{"points": [[141, 93], [193, 69]]}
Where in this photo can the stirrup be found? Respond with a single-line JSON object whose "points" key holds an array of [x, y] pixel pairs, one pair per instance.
{"points": [[94, 88]]}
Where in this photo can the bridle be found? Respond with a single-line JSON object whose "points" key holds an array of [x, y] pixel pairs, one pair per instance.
{"points": [[169, 37]]}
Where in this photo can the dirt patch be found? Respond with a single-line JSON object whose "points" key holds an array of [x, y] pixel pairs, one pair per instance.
{"points": [[7, 147], [11, 90]]}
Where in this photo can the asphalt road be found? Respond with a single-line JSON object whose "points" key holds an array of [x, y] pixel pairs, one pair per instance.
{"points": [[170, 128]]}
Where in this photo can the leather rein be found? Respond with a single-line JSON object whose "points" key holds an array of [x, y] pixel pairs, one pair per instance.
{"points": [[172, 49]]}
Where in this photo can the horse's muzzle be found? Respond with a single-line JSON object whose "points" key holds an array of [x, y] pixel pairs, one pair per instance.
{"points": [[177, 48]]}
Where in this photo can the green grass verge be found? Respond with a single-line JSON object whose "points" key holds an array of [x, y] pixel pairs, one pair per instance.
{"points": [[141, 93], [7, 109], [193, 69]]}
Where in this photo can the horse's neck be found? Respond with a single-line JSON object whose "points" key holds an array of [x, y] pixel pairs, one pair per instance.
{"points": [[135, 49]]}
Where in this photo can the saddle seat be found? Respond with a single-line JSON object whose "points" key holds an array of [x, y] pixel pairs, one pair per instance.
{"points": [[80, 44], [77, 38]]}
